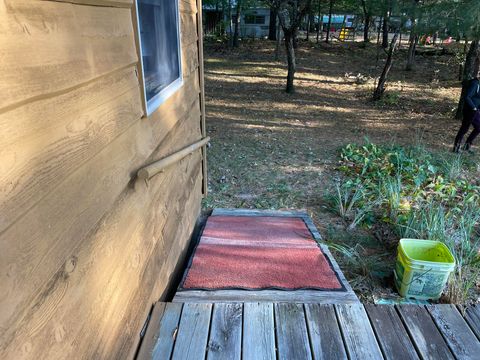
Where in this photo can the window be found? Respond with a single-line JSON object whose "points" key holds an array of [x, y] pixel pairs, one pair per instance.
{"points": [[260, 19], [158, 22], [254, 19]]}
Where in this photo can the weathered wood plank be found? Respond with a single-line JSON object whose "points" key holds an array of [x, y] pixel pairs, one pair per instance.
{"points": [[226, 332], [57, 223], [188, 28], [423, 332], [50, 47], [291, 332], [325, 335], [472, 316], [189, 58], [391, 334], [167, 333], [45, 141], [358, 334], [456, 331], [193, 332], [258, 332], [110, 3], [297, 296], [152, 332]]}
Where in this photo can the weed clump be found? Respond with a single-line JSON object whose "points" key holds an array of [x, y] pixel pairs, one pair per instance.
{"points": [[418, 195]]}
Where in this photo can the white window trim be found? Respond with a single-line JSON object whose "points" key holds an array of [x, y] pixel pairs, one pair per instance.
{"points": [[155, 102]]}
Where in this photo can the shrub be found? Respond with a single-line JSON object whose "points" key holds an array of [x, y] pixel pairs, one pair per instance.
{"points": [[420, 196]]}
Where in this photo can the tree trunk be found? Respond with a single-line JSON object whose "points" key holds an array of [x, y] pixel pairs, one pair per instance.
{"points": [[320, 22], [230, 27], [379, 91], [290, 60], [412, 46], [279, 40], [308, 29], [385, 31], [470, 71], [295, 39], [272, 28], [329, 21], [237, 24], [366, 36]]}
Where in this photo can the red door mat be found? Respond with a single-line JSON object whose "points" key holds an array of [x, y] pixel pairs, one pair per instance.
{"points": [[259, 252]]}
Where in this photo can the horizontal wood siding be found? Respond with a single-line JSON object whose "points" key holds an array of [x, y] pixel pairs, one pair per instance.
{"points": [[84, 248]]}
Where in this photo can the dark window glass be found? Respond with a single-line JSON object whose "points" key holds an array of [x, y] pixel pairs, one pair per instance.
{"points": [[260, 20], [249, 19], [158, 22]]}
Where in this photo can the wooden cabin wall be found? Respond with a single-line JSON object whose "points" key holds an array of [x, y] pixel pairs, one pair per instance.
{"points": [[84, 248]]}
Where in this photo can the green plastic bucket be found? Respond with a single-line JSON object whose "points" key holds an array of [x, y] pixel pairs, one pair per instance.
{"points": [[422, 268]]}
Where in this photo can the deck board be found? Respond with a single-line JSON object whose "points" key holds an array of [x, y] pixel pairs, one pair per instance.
{"points": [[472, 316], [359, 336], [268, 331], [325, 334], [391, 334], [226, 332], [460, 338], [291, 331], [192, 337], [423, 331], [258, 331]]}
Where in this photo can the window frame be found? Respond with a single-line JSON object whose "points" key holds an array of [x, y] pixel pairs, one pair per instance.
{"points": [[154, 103]]}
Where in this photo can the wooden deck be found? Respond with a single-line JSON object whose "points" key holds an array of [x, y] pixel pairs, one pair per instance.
{"points": [[268, 295], [310, 331]]}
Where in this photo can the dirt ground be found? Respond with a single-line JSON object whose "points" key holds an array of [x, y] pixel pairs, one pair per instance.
{"points": [[274, 150]]}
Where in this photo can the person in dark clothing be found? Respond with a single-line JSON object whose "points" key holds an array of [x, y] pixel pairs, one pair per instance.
{"points": [[471, 116]]}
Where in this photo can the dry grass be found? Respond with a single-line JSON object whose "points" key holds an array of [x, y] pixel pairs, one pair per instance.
{"points": [[274, 150]]}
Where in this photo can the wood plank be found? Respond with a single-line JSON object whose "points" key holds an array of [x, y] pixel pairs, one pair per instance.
{"points": [[193, 332], [202, 93], [472, 316], [252, 212], [291, 332], [391, 334], [298, 296], [226, 332], [258, 332], [423, 332], [110, 3], [188, 28], [51, 47], [52, 138], [152, 332], [57, 224], [358, 334], [461, 339], [188, 6], [189, 58], [325, 335], [167, 333]]}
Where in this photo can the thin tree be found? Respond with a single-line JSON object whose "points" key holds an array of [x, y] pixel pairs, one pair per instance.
{"points": [[330, 11], [237, 23], [290, 14], [366, 21], [320, 22], [272, 28], [380, 90]]}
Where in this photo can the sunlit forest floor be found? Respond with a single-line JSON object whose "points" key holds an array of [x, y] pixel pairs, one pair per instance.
{"points": [[274, 150]]}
